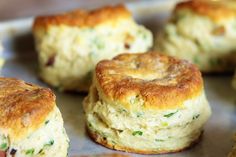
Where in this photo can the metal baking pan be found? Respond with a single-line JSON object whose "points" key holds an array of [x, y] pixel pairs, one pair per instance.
{"points": [[21, 62]]}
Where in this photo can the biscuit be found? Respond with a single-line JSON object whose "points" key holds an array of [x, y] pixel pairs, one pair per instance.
{"points": [[30, 122], [70, 45], [202, 32], [146, 103]]}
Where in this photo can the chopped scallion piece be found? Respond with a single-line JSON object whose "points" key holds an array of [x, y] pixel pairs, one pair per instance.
{"points": [[140, 133], [3, 146], [50, 143], [164, 124], [196, 116], [29, 152], [170, 114], [159, 140]]}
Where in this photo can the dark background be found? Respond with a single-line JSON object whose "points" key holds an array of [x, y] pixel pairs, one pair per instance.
{"points": [[12, 9]]}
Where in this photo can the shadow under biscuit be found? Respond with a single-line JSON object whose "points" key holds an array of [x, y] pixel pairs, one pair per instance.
{"points": [[220, 88], [72, 111], [24, 44]]}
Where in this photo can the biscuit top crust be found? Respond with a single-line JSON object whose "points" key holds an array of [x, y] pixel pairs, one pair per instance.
{"points": [[82, 18], [158, 81], [216, 10], [23, 107]]}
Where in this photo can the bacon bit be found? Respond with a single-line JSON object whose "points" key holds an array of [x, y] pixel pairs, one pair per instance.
{"points": [[219, 31], [51, 60], [2, 154], [127, 46], [128, 39], [13, 152]]}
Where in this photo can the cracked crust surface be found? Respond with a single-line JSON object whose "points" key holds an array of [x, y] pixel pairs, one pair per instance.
{"points": [[23, 107], [162, 82]]}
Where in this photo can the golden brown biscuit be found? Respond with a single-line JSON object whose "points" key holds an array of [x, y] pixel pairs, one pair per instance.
{"points": [[201, 31], [30, 122], [216, 10], [70, 45], [146, 103], [33, 102]]}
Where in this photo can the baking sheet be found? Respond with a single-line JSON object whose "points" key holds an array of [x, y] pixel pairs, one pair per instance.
{"points": [[21, 62]]}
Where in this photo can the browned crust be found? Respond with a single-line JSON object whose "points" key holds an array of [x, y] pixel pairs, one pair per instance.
{"points": [[23, 107], [233, 152], [105, 155], [84, 18], [181, 80], [100, 140], [216, 10]]}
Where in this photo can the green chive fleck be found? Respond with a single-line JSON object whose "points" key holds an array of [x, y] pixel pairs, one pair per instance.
{"points": [[100, 46], [164, 124], [29, 152], [3, 146], [196, 116], [46, 122], [159, 140], [122, 111], [40, 151], [140, 133], [144, 36], [170, 114], [196, 60], [50, 143], [139, 114]]}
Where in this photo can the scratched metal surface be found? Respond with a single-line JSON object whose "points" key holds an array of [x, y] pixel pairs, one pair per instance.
{"points": [[21, 62]]}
